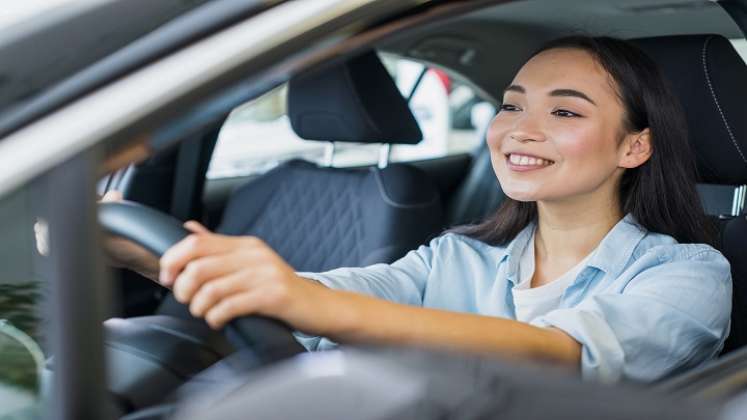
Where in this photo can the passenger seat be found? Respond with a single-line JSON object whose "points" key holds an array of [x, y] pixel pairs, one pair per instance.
{"points": [[319, 218]]}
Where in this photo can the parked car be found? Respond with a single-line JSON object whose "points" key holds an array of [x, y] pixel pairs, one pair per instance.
{"points": [[190, 108]]}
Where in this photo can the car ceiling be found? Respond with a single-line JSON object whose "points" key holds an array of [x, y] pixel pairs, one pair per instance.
{"points": [[487, 46]]}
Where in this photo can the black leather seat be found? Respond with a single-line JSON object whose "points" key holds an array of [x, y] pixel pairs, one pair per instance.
{"points": [[322, 218], [319, 218]]}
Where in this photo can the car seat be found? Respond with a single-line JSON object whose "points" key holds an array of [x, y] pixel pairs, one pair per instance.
{"points": [[319, 218]]}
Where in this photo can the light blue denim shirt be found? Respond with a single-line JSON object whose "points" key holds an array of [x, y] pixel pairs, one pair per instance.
{"points": [[644, 306]]}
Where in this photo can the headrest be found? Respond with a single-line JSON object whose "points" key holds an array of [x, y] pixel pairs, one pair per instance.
{"points": [[710, 79], [356, 101]]}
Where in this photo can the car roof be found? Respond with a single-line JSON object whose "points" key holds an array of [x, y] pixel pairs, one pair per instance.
{"points": [[486, 47]]}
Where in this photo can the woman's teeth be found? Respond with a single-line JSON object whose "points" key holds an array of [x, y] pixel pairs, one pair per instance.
{"points": [[528, 161]]}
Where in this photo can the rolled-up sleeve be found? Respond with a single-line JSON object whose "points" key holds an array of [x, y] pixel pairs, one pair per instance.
{"points": [[671, 315]]}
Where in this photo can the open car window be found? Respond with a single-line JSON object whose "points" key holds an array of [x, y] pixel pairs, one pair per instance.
{"points": [[257, 136]]}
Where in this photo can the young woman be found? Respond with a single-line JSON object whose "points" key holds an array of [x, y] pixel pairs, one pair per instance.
{"points": [[598, 258]]}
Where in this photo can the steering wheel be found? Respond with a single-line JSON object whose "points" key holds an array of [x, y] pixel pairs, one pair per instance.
{"points": [[270, 340]]}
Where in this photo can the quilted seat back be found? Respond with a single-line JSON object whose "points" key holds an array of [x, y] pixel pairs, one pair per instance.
{"points": [[320, 218]]}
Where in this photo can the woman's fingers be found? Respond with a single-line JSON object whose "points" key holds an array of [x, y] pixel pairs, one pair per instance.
{"points": [[195, 227], [196, 245], [225, 277], [234, 306], [200, 271], [218, 289]]}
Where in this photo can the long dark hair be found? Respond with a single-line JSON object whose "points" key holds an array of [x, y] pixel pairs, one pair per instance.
{"points": [[661, 193]]}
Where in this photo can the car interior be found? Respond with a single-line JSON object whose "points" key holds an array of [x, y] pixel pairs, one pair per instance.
{"points": [[319, 218]]}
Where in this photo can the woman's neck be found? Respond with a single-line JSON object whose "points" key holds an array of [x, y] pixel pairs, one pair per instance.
{"points": [[568, 230]]}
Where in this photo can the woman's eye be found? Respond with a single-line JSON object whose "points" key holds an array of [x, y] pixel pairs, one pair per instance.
{"points": [[564, 113], [509, 107]]}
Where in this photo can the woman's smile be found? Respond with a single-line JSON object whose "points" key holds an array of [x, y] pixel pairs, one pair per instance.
{"points": [[521, 162]]}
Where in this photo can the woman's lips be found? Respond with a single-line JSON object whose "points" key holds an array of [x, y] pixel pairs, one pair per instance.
{"points": [[523, 163]]}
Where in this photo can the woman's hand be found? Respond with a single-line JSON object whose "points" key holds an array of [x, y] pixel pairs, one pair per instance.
{"points": [[123, 253], [225, 277]]}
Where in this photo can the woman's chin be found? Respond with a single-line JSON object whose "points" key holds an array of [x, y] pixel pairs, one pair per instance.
{"points": [[524, 196]]}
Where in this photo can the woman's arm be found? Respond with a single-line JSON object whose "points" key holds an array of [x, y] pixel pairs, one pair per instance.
{"points": [[223, 277], [362, 318]]}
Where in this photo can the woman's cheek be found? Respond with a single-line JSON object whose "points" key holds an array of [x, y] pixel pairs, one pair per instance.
{"points": [[586, 162]]}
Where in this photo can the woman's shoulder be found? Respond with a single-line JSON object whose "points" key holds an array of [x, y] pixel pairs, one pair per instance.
{"points": [[453, 243], [450, 238], [664, 248]]}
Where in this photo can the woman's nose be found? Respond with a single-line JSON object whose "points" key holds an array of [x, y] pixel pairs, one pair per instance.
{"points": [[512, 127], [525, 137], [526, 128]]}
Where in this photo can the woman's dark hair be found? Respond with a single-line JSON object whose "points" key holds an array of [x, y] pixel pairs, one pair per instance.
{"points": [[661, 193]]}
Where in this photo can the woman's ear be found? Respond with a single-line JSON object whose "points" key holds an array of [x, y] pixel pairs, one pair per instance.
{"points": [[637, 149]]}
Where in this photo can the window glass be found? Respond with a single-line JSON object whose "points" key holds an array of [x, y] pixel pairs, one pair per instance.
{"points": [[23, 301], [257, 136]]}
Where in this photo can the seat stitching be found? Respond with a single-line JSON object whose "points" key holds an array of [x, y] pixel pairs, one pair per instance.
{"points": [[715, 99]]}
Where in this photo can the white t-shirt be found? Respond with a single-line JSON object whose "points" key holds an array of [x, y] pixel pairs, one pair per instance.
{"points": [[533, 302]]}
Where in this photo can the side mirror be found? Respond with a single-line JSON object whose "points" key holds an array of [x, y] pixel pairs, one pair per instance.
{"points": [[21, 366]]}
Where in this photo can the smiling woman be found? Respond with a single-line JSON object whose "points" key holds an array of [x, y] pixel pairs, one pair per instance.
{"points": [[594, 252], [637, 114]]}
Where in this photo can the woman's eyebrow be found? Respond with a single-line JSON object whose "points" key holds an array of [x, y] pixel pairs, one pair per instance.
{"points": [[573, 93], [514, 88], [556, 92]]}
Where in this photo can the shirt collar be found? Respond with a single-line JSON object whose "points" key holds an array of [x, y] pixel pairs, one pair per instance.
{"points": [[512, 253], [610, 256], [616, 248]]}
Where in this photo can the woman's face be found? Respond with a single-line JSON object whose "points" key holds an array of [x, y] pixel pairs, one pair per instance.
{"points": [[558, 132]]}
